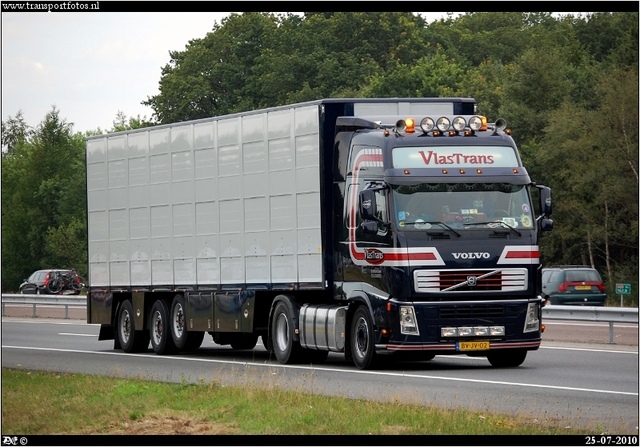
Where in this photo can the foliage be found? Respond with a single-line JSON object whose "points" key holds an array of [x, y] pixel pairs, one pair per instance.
{"points": [[14, 131], [121, 123], [567, 85], [43, 195]]}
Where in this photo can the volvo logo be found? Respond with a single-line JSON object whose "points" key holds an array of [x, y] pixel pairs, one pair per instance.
{"points": [[472, 255], [472, 281]]}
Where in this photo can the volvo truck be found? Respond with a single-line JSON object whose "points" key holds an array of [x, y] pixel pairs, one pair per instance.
{"points": [[375, 228]]}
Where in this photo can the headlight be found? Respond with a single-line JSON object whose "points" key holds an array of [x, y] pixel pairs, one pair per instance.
{"points": [[532, 323], [408, 323]]}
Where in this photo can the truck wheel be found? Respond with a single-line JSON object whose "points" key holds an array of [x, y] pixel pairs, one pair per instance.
{"points": [[244, 341], [182, 338], [509, 358], [160, 329], [363, 350], [130, 340], [286, 349]]}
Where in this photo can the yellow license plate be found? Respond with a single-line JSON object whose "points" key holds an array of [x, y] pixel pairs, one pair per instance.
{"points": [[583, 287], [472, 345]]}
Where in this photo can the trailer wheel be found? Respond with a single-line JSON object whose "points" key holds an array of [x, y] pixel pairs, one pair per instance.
{"points": [[182, 338], [363, 350], [286, 349], [129, 339], [509, 358], [160, 329]]}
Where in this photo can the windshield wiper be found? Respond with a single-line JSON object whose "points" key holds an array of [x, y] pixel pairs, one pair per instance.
{"points": [[494, 222], [433, 223]]}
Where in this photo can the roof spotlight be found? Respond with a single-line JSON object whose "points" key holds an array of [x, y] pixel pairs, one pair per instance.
{"points": [[427, 124], [459, 123], [443, 123], [475, 123]]}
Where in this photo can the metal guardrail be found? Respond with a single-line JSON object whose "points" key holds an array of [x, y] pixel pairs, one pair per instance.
{"points": [[592, 313], [44, 300], [610, 315]]}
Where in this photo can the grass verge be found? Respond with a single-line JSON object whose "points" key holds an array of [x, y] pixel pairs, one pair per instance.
{"points": [[44, 403]]}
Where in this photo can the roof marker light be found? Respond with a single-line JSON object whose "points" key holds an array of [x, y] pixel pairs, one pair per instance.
{"points": [[411, 125]]}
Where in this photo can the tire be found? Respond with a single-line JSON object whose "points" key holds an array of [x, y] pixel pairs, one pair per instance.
{"points": [[75, 285], [509, 358], [362, 342], [244, 341], [285, 348], [160, 329], [130, 339], [54, 286], [182, 338]]}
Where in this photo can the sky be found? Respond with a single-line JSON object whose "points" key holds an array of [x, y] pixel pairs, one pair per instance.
{"points": [[91, 66]]}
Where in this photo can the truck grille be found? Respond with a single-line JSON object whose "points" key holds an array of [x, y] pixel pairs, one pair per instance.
{"points": [[471, 280], [472, 311]]}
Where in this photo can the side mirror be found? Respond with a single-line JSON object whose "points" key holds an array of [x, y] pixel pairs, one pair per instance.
{"points": [[368, 205], [546, 225], [545, 200]]}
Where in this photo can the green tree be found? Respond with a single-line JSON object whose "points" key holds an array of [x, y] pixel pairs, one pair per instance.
{"points": [[14, 131], [590, 159], [122, 123], [206, 78], [43, 193]]}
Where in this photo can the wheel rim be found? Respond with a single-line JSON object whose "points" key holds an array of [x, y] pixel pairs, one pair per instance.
{"points": [[282, 332], [178, 320], [157, 328], [361, 338], [125, 326]]}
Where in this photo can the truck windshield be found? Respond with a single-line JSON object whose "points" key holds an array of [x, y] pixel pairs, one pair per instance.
{"points": [[462, 206]]}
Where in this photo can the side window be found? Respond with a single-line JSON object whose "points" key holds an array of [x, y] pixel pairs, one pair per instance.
{"points": [[381, 211]]}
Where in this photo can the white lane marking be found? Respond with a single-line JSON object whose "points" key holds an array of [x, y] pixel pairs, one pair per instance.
{"points": [[349, 371], [592, 324], [613, 351]]}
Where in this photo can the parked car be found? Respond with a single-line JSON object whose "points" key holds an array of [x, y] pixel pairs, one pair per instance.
{"points": [[53, 281], [573, 285]]}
